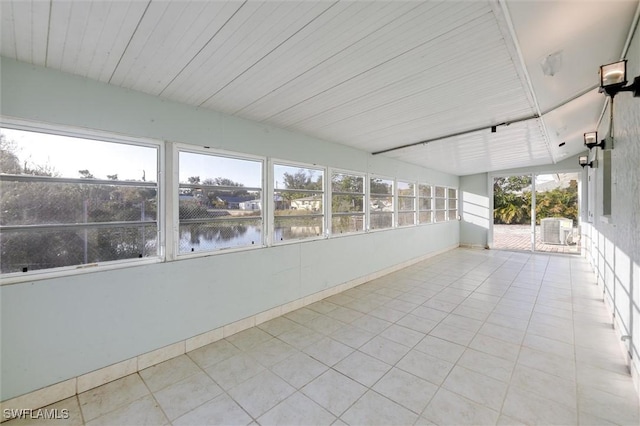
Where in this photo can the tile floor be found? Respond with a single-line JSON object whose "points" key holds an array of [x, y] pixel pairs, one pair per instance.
{"points": [[468, 337]]}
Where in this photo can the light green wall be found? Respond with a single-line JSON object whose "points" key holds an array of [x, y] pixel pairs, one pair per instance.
{"points": [[60, 328]]}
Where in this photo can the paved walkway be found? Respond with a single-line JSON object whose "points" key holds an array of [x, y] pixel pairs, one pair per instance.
{"points": [[518, 237]]}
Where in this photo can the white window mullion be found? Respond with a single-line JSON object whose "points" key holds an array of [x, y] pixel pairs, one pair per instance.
{"points": [[268, 203]]}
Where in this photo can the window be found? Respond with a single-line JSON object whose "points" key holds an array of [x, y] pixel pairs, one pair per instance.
{"points": [[219, 202], [425, 207], [406, 203], [380, 203], [298, 202], [452, 204], [71, 201], [441, 203], [347, 203]]}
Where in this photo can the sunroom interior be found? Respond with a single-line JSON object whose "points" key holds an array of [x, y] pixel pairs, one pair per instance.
{"points": [[276, 212]]}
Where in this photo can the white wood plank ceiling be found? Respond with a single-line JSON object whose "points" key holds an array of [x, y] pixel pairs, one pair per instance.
{"points": [[373, 75]]}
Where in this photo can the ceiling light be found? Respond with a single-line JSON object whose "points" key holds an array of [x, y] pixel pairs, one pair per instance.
{"points": [[583, 160], [613, 78], [591, 140]]}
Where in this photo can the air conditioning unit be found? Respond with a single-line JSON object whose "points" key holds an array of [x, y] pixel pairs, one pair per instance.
{"points": [[556, 230]]}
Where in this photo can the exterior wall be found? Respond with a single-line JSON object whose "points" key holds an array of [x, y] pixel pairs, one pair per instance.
{"points": [[61, 328], [612, 242]]}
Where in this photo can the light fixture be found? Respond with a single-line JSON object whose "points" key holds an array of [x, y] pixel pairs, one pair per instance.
{"points": [[591, 140], [613, 78], [583, 160]]}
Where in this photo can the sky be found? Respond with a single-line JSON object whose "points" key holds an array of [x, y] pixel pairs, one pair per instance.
{"points": [[246, 172], [67, 155]]}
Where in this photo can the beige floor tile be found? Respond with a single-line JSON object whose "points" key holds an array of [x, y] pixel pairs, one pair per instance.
{"points": [[545, 344], [325, 325], [119, 393], [385, 350], [476, 387], [620, 410], [387, 314], [509, 335], [605, 380], [169, 372], [371, 324], [362, 368], [440, 305], [403, 335], [297, 410], [322, 307], [546, 385], [509, 322], [452, 334], [532, 409], [144, 411], [352, 336], [495, 347], [469, 311], [271, 352], [489, 365], [429, 313], [345, 315], [548, 363], [213, 353], [373, 408], [448, 408], [222, 410], [278, 325], [464, 323], [328, 351], [248, 338], [417, 323], [261, 393], [299, 369], [425, 366], [406, 389], [334, 391], [235, 370], [402, 305], [508, 421], [187, 394], [301, 337], [440, 348]]}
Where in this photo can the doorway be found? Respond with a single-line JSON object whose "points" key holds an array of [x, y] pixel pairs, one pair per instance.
{"points": [[536, 212]]}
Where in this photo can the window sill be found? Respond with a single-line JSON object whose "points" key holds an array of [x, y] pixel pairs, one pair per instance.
{"points": [[606, 219]]}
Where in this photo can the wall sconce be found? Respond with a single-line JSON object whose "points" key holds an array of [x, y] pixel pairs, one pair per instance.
{"points": [[613, 78], [591, 140], [583, 160]]}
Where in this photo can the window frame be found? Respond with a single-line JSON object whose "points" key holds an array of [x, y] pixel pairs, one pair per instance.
{"points": [[431, 210], [270, 200], [414, 197], [98, 136], [330, 174], [449, 209], [371, 176], [435, 203], [175, 186]]}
